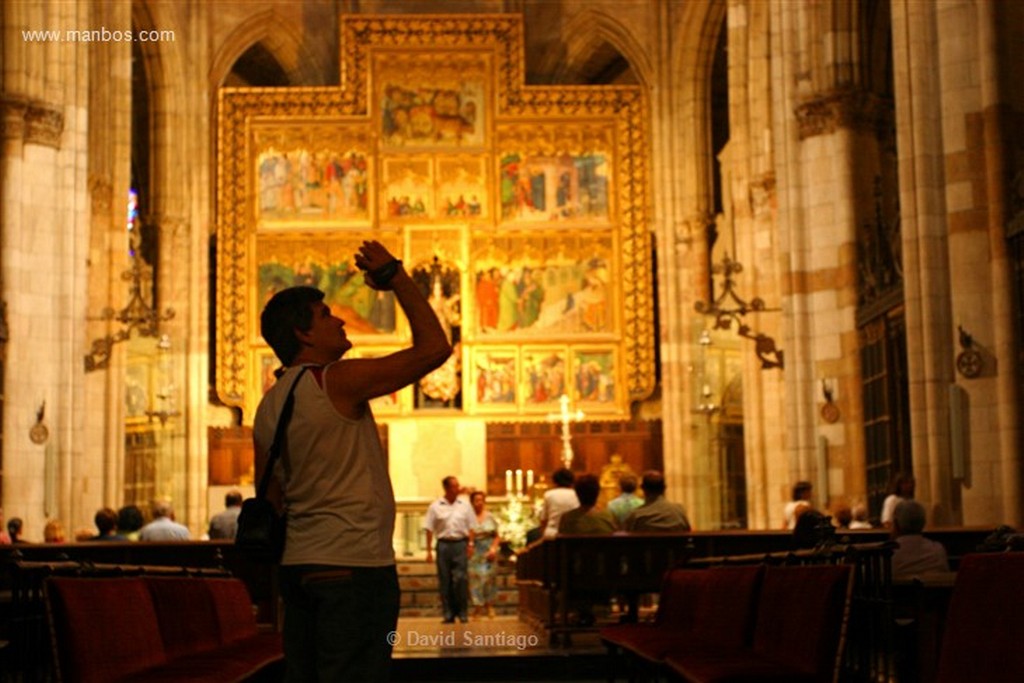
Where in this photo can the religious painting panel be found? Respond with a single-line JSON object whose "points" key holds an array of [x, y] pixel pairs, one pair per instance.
{"points": [[432, 100], [544, 284], [312, 173], [544, 377], [327, 263], [494, 379], [594, 378], [407, 184], [441, 283], [533, 200], [390, 404], [552, 173], [462, 188]]}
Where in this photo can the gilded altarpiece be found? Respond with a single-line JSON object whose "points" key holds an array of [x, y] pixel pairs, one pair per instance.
{"points": [[521, 211]]}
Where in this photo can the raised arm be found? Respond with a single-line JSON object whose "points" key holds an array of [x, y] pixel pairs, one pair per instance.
{"points": [[361, 379]]}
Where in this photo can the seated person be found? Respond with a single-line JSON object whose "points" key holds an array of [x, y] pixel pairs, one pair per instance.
{"points": [[621, 506], [558, 501], [860, 517], [656, 514], [812, 529], [915, 554], [802, 492], [106, 526], [587, 519]]}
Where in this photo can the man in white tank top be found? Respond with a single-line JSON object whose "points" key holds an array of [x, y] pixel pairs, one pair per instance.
{"points": [[338, 575]]}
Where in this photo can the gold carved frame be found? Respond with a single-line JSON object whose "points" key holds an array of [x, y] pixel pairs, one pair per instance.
{"points": [[559, 175]]}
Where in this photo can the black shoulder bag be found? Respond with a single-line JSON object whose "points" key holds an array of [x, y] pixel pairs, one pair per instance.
{"points": [[261, 530]]}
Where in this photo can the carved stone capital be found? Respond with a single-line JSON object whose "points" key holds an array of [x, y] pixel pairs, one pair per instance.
{"points": [[36, 122], [854, 109], [12, 117], [44, 124]]}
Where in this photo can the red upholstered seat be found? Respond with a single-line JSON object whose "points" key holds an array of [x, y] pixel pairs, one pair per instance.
{"points": [[104, 629], [706, 609], [800, 615], [985, 621], [233, 608], [188, 623], [157, 629]]}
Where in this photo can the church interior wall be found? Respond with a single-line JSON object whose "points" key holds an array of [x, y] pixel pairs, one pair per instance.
{"points": [[796, 201]]}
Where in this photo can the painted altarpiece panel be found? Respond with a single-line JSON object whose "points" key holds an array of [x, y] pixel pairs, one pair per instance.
{"points": [[495, 378], [326, 263], [544, 284], [534, 199], [595, 381], [544, 378], [432, 101], [316, 173]]}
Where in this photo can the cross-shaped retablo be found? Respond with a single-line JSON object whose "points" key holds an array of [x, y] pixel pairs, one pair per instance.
{"points": [[566, 418]]}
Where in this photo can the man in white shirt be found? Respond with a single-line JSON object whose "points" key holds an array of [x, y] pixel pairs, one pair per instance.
{"points": [[450, 520], [163, 527], [338, 576], [558, 501]]}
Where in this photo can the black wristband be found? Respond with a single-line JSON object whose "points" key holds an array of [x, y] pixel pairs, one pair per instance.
{"points": [[381, 276]]}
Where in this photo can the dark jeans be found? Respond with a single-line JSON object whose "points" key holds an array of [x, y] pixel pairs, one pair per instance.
{"points": [[337, 621], [453, 578]]}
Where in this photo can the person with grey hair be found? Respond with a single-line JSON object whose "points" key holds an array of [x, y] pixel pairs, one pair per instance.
{"points": [[163, 527], [915, 554]]}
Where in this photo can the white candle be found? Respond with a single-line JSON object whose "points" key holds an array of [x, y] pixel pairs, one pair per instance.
{"points": [[508, 482], [529, 481], [519, 482]]}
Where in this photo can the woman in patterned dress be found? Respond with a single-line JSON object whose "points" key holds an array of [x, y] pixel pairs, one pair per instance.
{"points": [[483, 562]]}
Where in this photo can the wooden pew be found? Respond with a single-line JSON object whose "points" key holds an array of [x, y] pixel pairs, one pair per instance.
{"points": [[553, 574], [23, 569], [550, 573]]}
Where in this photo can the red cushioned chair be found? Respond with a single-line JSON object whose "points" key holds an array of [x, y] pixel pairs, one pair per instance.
{"points": [[801, 615], [129, 641], [706, 609], [985, 621]]}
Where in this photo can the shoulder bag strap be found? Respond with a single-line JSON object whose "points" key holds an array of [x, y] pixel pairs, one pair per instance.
{"points": [[282, 426]]}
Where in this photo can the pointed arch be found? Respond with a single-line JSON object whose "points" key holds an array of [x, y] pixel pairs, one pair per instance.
{"points": [[585, 33], [282, 39]]}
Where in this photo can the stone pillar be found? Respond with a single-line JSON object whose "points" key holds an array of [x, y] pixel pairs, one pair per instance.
{"points": [[923, 210], [43, 252]]}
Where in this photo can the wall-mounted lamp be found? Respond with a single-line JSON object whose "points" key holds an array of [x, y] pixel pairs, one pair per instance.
{"points": [[137, 314], [969, 362], [729, 307]]}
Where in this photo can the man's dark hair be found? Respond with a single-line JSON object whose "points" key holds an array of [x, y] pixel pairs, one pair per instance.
{"points": [[653, 483], [14, 527], [563, 477], [232, 499], [448, 480], [627, 483], [800, 488], [287, 311], [587, 489], [106, 520], [129, 518]]}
